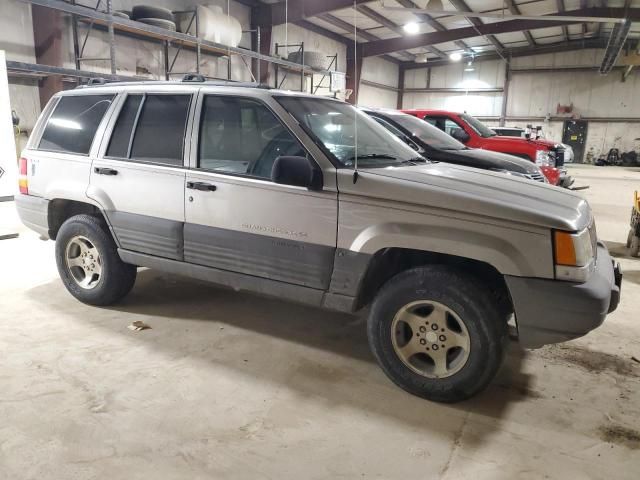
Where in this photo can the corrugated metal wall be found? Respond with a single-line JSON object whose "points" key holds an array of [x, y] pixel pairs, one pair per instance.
{"points": [[535, 95]]}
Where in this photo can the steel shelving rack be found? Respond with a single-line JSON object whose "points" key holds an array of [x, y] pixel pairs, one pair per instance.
{"points": [[114, 25]]}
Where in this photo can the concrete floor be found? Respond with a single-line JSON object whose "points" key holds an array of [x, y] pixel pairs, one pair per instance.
{"points": [[229, 385]]}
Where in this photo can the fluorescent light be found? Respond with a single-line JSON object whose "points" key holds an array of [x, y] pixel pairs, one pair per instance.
{"points": [[456, 56], [411, 28]]}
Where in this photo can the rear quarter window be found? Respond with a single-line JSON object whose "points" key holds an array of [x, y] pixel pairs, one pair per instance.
{"points": [[73, 123]]}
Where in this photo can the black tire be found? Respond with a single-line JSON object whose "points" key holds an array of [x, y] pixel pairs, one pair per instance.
{"points": [[159, 22], [148, 11], [634, 246], [472, 303], [116, 278]]}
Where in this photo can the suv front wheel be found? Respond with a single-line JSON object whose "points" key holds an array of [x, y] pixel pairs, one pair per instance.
{"points": [[88, 262], [437, 333]]}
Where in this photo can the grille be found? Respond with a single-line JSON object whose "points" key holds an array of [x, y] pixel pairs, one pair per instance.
{"points": [[538, 177]]}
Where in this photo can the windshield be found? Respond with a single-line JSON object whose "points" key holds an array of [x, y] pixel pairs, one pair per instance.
{"points": [[334, 125], [432, 136], [479, 127]]}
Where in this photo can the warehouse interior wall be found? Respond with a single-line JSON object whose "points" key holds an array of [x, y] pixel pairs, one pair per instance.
{"points": [[612, 107], [533, 95], [381, 72]]}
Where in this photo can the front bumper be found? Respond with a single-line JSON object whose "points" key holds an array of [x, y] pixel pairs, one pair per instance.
{"points": [[34, 213], [566, 180], [553, 311]]}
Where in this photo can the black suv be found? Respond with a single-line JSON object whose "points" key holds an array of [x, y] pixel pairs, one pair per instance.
{"points": [[437, 145]]}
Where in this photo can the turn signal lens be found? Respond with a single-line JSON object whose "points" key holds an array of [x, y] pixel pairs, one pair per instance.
{"points": [[565, 251], [23, 182]]}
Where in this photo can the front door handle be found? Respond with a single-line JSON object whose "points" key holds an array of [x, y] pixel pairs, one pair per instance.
{"points": [[105, 171], [204, 186]]}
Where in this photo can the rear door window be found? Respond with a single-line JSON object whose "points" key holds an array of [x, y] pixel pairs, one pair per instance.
{"points": [[120, 143], [73, 123], [151, 128]]}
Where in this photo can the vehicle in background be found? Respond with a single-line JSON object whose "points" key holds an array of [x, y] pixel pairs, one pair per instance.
{"points": [[437, 145], [633, 240], [522, 133], [473, 133]]}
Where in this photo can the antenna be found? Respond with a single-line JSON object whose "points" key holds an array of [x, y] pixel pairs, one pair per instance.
{"points": [[356, 80]]}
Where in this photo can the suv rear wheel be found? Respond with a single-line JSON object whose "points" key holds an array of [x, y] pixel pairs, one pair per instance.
{"points": [[437, 334], [88, 262]]}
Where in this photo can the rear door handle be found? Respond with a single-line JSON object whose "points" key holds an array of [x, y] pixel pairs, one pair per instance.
{"points": [[204, 186], [105, 171]]}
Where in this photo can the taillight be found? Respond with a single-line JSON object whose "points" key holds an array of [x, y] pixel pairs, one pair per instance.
{"points": [[23, 181]]}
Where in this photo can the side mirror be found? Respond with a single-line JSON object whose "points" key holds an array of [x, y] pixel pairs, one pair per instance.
{"points": [[460, 135], [297, 171]]}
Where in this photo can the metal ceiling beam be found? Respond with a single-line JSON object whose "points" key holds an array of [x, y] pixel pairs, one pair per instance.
{"points": [[306, 24], [617, 40], [432, 22], [278, 13], [584, 4], [380, 47], [476, 22], [385, 22], [561, 10], [513, 8], [349, 28], [520, 52]]}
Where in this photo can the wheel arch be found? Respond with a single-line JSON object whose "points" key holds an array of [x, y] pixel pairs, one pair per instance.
{"points": [[388, 262], [61, 209]]}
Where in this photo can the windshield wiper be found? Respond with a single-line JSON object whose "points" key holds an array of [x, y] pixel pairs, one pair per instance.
{"points": [[382, 156], [414, 161]]}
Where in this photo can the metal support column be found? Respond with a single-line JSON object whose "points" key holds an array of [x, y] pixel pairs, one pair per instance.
{"points": [[166, 59], [76, 43], [505, 93], [112, 37], [198, 42], [399, 102], [302, 70]]}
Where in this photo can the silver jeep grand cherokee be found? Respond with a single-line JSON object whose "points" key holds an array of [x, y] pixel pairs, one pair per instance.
{"points": [[257, 189]]}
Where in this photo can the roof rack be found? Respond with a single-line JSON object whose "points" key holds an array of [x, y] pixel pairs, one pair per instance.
{"points": [[188, 78], [193, 77], [96, 81]]}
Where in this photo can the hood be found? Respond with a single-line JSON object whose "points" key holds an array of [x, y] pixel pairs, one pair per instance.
{"points": [[472, 191], [540, 142], [488, 159]]}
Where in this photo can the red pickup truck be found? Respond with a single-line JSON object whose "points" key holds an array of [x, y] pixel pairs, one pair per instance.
{"points": [[549, 156]]}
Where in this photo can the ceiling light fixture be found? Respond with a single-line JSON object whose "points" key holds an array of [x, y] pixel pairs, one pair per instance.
{"points": [[421, 58], [434, 5], [455, 56], [469, 67], [411, 28]]}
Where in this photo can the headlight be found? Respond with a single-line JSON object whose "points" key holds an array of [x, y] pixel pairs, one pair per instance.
{"points": [[574, 254], [544, 159]]}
